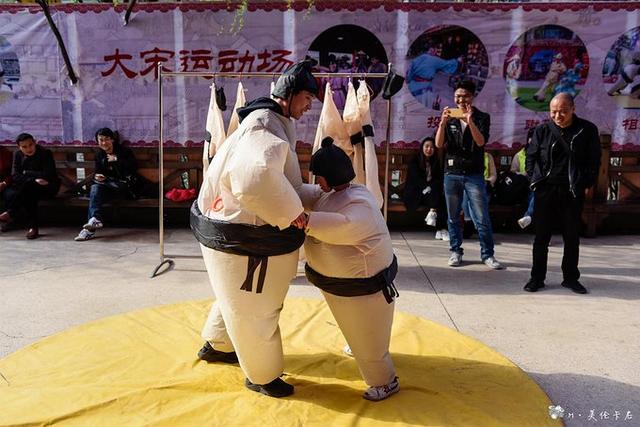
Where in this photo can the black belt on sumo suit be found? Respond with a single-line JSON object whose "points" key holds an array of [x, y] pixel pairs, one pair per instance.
{"points": [[256, 242], [354, 287]]}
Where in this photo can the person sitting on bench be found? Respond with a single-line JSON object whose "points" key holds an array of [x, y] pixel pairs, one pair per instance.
{"points": [[33, 178]]}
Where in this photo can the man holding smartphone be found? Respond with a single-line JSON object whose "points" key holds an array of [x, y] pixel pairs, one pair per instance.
{"points": [[463, 131]]}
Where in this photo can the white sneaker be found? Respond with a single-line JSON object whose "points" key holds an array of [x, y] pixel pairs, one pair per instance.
{"points": [[383, 391], [431, 218], [524, 222], [491, 262], [84, 235], [93, 224], [455, 260], [347, 350], [439, 235], [445, 235]]}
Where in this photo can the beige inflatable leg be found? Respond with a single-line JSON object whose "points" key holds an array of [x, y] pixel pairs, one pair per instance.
{"points": [[365, 322], [251, 319], [215, 331]]}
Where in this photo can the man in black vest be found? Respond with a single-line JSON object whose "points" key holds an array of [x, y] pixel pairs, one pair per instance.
{"points": [[562, 162], [464, 138]]}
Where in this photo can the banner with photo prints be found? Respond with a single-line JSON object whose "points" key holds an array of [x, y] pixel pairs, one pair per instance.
{"points": [[518, 55]]}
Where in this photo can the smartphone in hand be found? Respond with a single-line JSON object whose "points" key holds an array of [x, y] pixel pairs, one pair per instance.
{"points": [[456, 113]]}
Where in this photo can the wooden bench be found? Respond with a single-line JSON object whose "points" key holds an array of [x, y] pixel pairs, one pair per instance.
{"points": [[399, 160], [75, 165], [615, 199]]}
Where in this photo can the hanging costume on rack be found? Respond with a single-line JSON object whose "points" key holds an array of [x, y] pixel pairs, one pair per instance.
{"points": [[241, 100], [370, 158], [331, 124], [354, 134], [215, 133], [252, 193], [351, 120]]}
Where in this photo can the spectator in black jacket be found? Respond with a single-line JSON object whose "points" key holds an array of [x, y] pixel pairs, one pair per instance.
{"points": [[33, 178], [562, 162], [115, 177], [424, 187]]}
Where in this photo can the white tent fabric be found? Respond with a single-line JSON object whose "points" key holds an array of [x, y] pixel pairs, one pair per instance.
{"points": [[215, 127], [353, 124], [241, 100], [370, 161]]}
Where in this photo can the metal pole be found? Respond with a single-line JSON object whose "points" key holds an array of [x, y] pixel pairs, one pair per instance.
{"points": [[165, 259], [386, 157], [161, 163], [161, 178], [269, 75]]}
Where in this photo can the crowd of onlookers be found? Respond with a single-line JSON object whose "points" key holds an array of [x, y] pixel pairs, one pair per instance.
{"points": [[559, 163], [453, 178]]}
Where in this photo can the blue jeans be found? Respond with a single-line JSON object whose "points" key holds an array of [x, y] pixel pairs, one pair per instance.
{"points": [[532, 199], [101, 194], [456, 187]]}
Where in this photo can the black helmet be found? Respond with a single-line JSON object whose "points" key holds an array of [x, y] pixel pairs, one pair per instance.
{"points": [[296, 78]]}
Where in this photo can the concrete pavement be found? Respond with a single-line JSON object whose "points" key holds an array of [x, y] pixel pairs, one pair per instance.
{"points": [[583, 350]]}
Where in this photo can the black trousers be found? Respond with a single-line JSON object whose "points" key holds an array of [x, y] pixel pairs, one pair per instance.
{"points": [[556, 206], [435, 200], [22, 200]]}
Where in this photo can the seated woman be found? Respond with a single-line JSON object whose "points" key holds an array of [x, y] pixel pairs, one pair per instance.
{"points": [[350, 258], [33, 178], [424, 187], [115, 178]]}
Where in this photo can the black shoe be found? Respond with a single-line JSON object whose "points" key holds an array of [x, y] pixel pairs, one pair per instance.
{"points": [[211, 355], [276, 388], [533, 285], [575, 286]]}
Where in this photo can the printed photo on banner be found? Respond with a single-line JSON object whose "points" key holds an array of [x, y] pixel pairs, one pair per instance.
{"points": [[621, 70], [9, 71], [441, 57], [348, 49], [543, 62]]}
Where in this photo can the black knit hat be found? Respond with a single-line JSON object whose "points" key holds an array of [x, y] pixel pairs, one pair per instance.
{"points": [[331, 163], [296, 78]]}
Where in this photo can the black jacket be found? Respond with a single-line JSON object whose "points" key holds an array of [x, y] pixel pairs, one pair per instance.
{"points": [[463, 156], [416, 180], [122, 169], [29, 168], [584, 156]]}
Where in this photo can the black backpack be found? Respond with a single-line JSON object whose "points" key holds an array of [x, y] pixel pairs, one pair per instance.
{"points": [[511, 188]]}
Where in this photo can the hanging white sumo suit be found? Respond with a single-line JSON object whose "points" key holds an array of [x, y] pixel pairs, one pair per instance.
{"points": [[353, 133], [254, 179], [215, 130]]}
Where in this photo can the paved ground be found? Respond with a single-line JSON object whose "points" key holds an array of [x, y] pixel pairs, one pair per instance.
{"points": [[583, 350]]}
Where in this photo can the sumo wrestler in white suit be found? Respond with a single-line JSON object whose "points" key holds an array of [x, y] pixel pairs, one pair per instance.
{"points": [[249, 219], [350, 258]]}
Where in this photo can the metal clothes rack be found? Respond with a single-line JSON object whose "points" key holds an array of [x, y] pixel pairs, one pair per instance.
{"points": [[168, 258]]}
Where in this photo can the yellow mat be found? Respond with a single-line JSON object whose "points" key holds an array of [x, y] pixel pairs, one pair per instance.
{"points": [[141, 369]]}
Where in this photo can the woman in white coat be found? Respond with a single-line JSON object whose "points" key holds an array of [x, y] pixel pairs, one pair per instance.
{"points": [[350, 258], [249, 219]]}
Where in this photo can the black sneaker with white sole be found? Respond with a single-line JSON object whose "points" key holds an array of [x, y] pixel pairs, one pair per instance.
{"points": [[276, 388], [211, 355]]}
